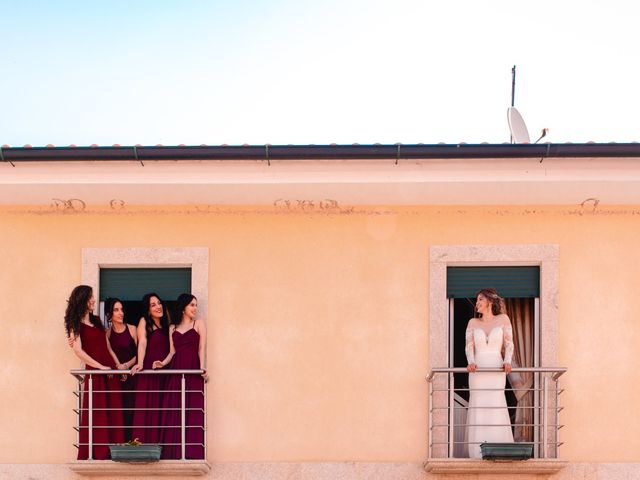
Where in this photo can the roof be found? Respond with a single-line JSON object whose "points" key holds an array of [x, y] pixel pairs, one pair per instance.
{"points": [[317, 152], [441, 174]]}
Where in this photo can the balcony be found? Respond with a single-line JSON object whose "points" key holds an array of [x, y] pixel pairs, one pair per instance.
{"points": [[91, 430], [537, 421]]}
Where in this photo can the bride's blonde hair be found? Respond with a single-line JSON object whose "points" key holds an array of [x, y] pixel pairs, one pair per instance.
{"points": [[497, 302]]}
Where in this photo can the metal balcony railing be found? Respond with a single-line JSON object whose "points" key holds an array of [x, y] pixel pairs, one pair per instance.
{"points": [[85, 380], [448, 411]]}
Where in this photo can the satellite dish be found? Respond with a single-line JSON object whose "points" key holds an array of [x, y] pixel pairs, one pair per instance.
{"points": [[519, 132]]}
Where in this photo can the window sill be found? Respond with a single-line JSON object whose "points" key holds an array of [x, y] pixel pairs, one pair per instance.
{"points": [[164, 468], [455, 466]]}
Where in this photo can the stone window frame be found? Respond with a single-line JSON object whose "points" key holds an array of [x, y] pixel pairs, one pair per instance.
{"points": [[196, 258], [546, 256]]}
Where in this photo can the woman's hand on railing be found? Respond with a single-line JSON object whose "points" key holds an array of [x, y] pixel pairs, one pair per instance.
{"points": [[471, 367], [102, 367], [157, 364], [122, 366], [507, 368], [135, 369]]}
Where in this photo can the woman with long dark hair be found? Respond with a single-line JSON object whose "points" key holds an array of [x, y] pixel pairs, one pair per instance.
{"points": [[123, 341], [188, 344], [89, 342], [153, 345], [486, 337]]}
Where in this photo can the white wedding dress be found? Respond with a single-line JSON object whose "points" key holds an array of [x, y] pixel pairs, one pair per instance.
{"points": [[487, 415]]}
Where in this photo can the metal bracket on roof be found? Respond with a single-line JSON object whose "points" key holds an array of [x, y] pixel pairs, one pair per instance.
{"points": [[135, 155], [397, 153], [3, 159], [266, 152], [547, 152]]}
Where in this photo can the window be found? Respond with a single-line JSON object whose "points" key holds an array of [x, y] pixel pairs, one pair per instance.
{"points": [[130, 284], [195, 259], [191, 265], [520, 288], [444, 257], [545, 257]]}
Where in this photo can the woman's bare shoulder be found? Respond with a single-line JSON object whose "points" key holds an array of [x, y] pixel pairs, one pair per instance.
{"points": [[504, 318]]}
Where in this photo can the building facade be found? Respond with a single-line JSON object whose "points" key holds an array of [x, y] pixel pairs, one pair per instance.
{"points": [[323, 273]]}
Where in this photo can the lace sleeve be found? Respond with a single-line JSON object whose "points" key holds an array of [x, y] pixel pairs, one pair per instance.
{"points": [[469, 347], [508, 342]]}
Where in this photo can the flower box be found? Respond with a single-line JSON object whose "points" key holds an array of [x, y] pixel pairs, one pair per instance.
{"points": [[135, 453], [506, 451]]}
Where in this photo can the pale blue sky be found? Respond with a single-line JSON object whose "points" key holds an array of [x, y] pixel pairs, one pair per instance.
{"points": [[285, 71]]}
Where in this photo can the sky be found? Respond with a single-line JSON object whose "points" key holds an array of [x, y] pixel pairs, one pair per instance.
{"points": [[315, 72]]}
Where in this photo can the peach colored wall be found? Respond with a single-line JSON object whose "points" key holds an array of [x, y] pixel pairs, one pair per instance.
{"points": [[318, 324]]}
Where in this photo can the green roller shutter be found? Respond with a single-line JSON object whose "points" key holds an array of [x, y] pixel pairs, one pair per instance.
{"points": [[132, 283], [510, 282]]}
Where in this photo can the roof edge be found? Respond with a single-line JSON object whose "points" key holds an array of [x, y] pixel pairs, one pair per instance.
{"points": [[317, 152]]}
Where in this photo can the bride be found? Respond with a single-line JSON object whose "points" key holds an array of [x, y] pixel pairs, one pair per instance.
{"points": [[487, 416]]}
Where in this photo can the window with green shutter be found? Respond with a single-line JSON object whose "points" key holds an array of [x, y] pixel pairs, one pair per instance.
{"points": [[131, 284], [509, 282], [517, 285]]}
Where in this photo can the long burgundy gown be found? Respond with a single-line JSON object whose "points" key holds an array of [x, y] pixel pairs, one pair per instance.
{"points": [[124, 347], [186, 358], [106, 395], [149, 391]]}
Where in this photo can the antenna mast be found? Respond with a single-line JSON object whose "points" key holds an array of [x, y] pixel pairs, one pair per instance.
{"points": [[513, 86], [513, 94]]}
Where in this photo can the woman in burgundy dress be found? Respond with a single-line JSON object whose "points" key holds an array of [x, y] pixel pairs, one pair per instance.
{"points": [[90, 345], [188, 340], [153, 344], [123, 340]]}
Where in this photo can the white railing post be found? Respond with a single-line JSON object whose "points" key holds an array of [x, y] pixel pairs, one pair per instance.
{"points": [[204, 426], [182, 417], [430, 429], [90, 446], [536, 414], [545, 420], [556, 449], [451, 417], [79, 392]]}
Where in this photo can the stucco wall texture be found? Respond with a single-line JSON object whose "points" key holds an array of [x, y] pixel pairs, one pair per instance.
{"points": [[318, 324]]}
